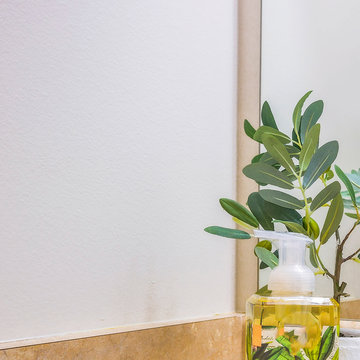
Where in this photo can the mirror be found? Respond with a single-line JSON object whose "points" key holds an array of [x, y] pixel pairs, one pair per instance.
{"points": [[303, 49]]}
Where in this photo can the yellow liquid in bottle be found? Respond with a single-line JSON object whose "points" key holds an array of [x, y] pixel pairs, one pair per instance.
{"points": [[292, 327]]}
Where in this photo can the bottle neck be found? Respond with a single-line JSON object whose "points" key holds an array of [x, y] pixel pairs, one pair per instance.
{"points": [[292, 252]]}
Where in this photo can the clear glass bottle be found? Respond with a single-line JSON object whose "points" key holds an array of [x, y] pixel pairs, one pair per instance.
{"points": [[290, 323]]}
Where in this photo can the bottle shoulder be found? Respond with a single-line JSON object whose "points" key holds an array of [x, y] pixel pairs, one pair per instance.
{"points": [[298, 300]]}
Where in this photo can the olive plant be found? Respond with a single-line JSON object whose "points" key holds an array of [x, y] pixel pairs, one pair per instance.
{"points": [[292, 165]]}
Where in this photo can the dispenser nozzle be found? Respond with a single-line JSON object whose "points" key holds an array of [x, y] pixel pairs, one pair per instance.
{"points": [[291, 275]]}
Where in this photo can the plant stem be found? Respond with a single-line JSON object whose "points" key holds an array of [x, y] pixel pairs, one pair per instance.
{"points": [[327, 272], [337, 288], [348, 234], [351, 256]]}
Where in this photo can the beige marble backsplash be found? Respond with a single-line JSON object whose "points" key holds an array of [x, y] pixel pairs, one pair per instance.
{"points": [[218, 339]]}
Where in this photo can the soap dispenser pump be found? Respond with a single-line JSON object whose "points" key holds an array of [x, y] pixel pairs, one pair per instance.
{"points": [[288, 322]]}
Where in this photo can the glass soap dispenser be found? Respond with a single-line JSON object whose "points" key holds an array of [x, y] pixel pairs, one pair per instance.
{"points": [[289, 322]]}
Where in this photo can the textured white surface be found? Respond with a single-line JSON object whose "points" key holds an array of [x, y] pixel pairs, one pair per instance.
{"points": [[117, 137], [313, 45], [349, 348]]}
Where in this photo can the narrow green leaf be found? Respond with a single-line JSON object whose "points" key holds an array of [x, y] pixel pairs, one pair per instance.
{"points": [[350, 215], [228, 233], [263, 265], [249, 130], [240, 212], [293, 227], [267, 257], [284, 342], [280, 213], [333, 219], [348, 204], [292, 150], [325, 195], [313, 258], [320, 162], [268, 159], [327, 343], [310, 117], [345, 193], [298, 110], [347, 183], [336, 355], [243, 224], [310, 145], [257, 158], [267, 116], [294, 139], [265, 244], [282, 199], [267, 174], [257, 206], [291, 177], [267, 130], [278, 151], [355, 180]]}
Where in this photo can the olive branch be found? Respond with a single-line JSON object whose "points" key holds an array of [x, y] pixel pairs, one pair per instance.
{"points": [[294, 164]]}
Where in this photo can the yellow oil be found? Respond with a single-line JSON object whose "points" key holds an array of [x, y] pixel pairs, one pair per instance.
{"points": [[299, 320]]}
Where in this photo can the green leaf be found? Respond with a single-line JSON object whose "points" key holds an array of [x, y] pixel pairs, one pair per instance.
{"points": [[355, 179], [293, 227], [291, 177], [243, 224], [327, 343], [336, 355], [249, 130], [267, 116], [310, 145], [325, 195], [282, 199], [310, 117], [228, 233], [312, 227], [320, 162], [267, 257], [257, 206], [268, 159], [280, 213], [240, 212], [329, 175], [267, 130], [294, 139], [350, 215], [267, 174], [284, 342], [263, 265], [313, 258], [298, 110], [264, 291], [265, 244], [333, 219], [347, 183], [257, 158], [348, 204], [278, 151], [292, 150]]}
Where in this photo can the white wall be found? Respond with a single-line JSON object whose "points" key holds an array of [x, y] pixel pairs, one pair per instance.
{"points": [[314, 45], [117, 138]]}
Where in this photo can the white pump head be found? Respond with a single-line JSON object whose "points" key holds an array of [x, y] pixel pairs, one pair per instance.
{"points": [[292, 275]]}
